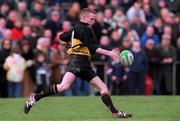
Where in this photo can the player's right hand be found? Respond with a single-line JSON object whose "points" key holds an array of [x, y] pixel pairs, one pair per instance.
{"points": [[62, 43], [114, 54]]}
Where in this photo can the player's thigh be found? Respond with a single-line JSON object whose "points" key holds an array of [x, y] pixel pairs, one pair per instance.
{"points": [[99, 85], [67, 80]]}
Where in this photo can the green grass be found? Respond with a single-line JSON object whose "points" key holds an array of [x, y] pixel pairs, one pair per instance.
{"points": [[152, 108]]}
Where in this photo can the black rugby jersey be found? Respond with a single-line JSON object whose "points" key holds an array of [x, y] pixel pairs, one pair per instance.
{"points": [[82, 40]]}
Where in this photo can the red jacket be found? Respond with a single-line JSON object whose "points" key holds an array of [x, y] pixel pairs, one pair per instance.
{"points": [[16, 34]]}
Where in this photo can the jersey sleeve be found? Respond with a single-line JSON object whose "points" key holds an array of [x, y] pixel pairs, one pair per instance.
{"points": [[66, 36]]}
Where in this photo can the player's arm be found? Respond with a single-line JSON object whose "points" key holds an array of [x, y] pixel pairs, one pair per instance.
{"points": [[91, 42], [114, 54], [65, 37]]}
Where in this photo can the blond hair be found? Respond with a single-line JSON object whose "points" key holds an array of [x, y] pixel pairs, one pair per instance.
{"points": [[86, 11]]}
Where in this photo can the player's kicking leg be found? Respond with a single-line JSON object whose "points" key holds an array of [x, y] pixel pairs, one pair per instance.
{"points": [[102, 88], [52, 90]]}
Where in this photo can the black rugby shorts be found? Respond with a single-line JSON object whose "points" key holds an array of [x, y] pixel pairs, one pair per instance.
{"points": [[81, 66]]}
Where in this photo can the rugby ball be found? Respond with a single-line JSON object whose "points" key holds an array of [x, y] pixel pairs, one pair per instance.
{"points": [[126, 58]]}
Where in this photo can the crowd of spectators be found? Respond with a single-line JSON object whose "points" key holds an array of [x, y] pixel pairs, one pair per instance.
{"points": [[31, 58]]}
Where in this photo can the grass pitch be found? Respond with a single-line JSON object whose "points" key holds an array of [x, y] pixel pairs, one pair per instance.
{"points": [[144, 108]]}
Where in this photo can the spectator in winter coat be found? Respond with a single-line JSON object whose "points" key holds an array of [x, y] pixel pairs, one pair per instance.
{"points": [[15, 65], [138, 70], [167, 58]]}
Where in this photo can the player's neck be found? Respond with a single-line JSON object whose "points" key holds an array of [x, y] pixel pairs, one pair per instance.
{"points": [[82, 21]]}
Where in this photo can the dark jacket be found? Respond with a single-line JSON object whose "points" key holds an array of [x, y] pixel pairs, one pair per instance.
{"points": [[153, 60], [3, 55], [53, 26], [170, 53], [140, 62]]}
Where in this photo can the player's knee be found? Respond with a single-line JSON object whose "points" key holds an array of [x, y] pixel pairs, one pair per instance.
{"points": [[104, 89], [62, 88]]}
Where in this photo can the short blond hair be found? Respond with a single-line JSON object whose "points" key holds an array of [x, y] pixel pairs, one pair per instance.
{"points": [[86, 11]]}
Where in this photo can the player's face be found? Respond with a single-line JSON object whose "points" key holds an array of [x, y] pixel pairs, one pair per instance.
{"points": [[90, 19]]}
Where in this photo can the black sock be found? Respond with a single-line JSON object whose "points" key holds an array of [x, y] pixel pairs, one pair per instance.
{"points": [[108, 102], [52, 90]]}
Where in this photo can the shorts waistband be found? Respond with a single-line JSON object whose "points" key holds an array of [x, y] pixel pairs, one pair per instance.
{"points": [[83, 57]]}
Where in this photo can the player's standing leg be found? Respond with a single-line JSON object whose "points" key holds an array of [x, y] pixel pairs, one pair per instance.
{"points": [[102, 88], [52, 90]]}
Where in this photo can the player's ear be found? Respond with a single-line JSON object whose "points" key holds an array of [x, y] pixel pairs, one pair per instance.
{"points": [[82, 16]]}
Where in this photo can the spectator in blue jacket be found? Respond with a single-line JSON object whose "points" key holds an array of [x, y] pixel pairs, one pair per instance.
{"points": [[149, 34]]}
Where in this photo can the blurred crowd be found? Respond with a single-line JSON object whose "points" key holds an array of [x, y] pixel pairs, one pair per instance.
{"points": [[31, 58]]}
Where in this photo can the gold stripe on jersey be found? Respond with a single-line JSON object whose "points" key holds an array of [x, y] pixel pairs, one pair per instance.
{"points": [[77, 48], [75, 42]]}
